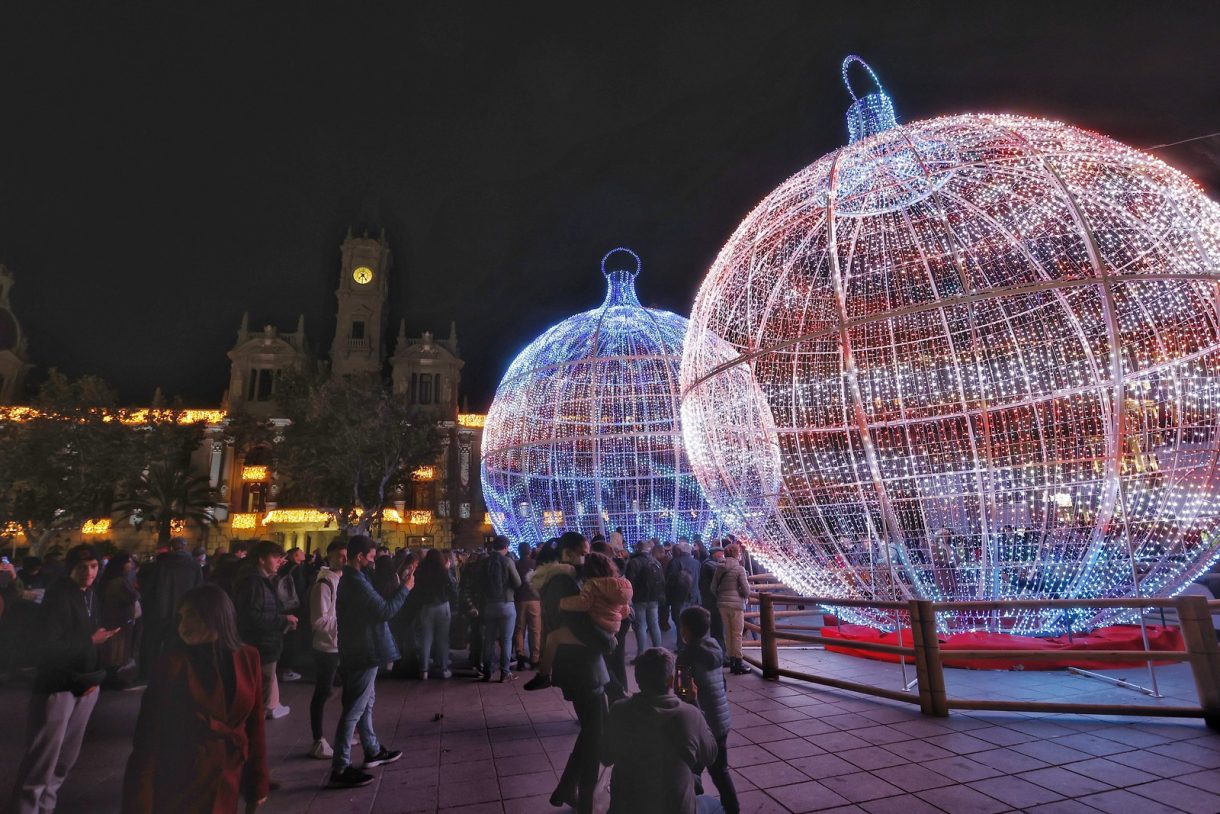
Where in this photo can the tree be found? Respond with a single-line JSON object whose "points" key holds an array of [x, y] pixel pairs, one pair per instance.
{"points": [[350, 443], [77, 453], [66, 461], [166, 493]]}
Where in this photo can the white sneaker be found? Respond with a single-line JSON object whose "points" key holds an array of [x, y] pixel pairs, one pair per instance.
{"points": [[275, 713], [321, 750], [447, 674], [290, 676]]}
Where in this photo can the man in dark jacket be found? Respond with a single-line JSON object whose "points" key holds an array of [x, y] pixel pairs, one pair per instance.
{"points": [[656, 744], [707, 597], [365, 643], [261, 620], [703, 660], [529, 612], [647, 587], [681, 583], [162, 584], [581, 673], [65, 689]]}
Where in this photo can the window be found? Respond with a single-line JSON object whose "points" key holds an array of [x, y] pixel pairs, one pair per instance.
{"points": [[260, 385], [411, 394], [425, 389], [357, 330]]}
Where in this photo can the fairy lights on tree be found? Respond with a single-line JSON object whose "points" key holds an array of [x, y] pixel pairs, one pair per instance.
{"points": [[583, 432], [973, 357]]}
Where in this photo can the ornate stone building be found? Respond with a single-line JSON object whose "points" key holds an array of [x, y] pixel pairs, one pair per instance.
{"points": [[443, 506]]}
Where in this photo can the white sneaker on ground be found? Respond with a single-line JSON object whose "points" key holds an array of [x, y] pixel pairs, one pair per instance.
{"points": [[275, 713], [321, 750], [290, 676], [447, 674]]}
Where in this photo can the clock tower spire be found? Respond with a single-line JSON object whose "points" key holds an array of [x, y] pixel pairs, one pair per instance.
{"points": [[360, 325]]}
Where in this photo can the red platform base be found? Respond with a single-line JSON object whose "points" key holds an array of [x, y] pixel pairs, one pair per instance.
{"points": [[1075, 652]]}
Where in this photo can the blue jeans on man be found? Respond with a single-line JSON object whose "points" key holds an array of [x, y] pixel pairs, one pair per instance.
{"points": [[359, 693], [647, 621], [499, 619]]}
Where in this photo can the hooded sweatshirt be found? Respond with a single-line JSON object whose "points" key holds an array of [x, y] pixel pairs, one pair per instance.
{"points": [[607, 600], [322, 619]]}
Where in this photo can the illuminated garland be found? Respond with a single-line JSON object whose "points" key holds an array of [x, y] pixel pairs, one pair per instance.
{"points": [[583, 433], [974, 357]]}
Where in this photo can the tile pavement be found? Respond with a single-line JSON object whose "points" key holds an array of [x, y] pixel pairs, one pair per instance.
{"points": [[795, 748]]}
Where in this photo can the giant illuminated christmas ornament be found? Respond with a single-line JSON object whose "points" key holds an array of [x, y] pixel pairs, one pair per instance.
{"points": [[969, 358], [583, 433]]}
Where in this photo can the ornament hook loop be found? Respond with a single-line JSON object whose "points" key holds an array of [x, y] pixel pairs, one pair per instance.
{"points": [[847, 61], [639, 264]]}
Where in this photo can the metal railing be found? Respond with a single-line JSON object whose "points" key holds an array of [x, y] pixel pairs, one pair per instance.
{"points": [[1194, 612]]}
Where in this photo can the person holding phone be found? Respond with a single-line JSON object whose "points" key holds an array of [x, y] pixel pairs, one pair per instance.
{"points": [[65, 689]]}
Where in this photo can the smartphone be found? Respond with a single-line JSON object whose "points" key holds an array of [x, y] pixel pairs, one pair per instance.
{"points": [[5, 561]]}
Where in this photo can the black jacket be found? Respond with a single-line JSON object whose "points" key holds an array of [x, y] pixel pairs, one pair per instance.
{"points": [[578, 670], [707, 570], [525, 568], [260, 618], [646, 576], [656, 744], [682, 563], [173, 574], [705, 659], [68, 654]]}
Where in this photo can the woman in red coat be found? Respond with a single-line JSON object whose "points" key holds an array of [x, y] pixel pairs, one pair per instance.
{"points": [[199, 741]]}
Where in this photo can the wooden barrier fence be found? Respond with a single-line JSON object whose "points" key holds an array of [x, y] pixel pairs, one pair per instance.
{"points": [[1194, 613]]}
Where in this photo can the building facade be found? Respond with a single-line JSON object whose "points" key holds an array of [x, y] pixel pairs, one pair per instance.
{"points": [[442, 507]]}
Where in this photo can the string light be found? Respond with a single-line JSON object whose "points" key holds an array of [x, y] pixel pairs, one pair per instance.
{"points": [[424, 473], [973, 357], [91, 527], [255, 473], [473, 420], [583, 432], [243, 520], [419, 517]]}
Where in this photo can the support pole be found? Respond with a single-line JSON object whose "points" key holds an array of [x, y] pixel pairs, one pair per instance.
{"points": [[928, 667], [770, 649], [1195, 620]]}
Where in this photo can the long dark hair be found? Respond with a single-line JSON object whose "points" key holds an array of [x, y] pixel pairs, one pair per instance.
{"points": [[432, 574], [215, 610]]}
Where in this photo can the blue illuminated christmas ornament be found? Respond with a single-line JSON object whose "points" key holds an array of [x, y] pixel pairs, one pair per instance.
{"points": [[969, 358], [583, 433]]}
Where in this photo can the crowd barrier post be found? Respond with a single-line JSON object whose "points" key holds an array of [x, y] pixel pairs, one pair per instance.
{"points": [[929, 669], [770, 647], [1195, 622]]}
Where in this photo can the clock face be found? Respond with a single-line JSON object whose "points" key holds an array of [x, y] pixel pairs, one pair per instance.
{"points": [[363, 275]]}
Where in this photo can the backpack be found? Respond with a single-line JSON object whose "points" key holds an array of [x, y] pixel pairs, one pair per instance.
{"points": [[495, 578], [286, 592], [678, 585], [654, 580]]}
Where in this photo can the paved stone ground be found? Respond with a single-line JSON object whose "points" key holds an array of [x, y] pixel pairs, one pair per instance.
{"points": [[795, 748]]}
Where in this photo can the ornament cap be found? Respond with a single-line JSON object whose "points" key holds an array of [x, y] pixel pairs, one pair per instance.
{"points": [[620, 283], [869, 114]]}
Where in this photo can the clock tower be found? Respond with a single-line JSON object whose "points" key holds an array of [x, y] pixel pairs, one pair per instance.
{"points": [[359, 346]]}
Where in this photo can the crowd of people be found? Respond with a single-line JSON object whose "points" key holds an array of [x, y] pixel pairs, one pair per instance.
{"points": [[209, 640]]}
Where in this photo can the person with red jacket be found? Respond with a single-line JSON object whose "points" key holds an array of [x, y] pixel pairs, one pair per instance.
{"points": [[200, 742]]}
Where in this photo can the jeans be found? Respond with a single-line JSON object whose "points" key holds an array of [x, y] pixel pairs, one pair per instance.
{"points": [[646, 616], [325, 666], [54, 730], [582, 768], [433, 622], [498, 621], [719, 771], [359, 693]]}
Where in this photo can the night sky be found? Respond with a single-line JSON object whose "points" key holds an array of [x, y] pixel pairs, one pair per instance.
{"points": [[162, 171]]}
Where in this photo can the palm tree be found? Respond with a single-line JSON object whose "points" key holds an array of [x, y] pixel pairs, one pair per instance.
{"points": [[166, 493]]}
